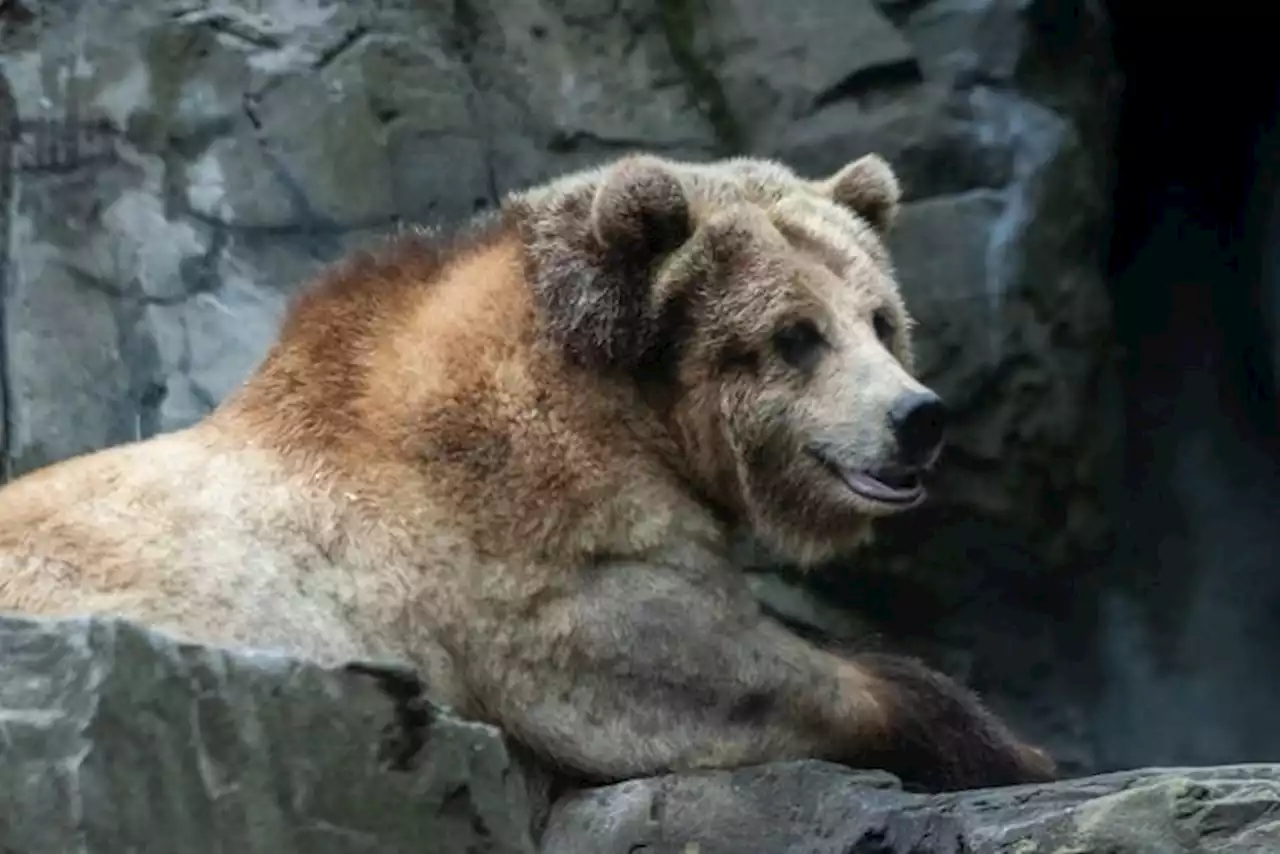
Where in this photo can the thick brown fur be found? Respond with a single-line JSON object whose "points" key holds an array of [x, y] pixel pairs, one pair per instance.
{"points": [[513, 457]]}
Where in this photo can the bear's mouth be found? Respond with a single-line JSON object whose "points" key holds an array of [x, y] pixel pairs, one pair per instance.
{"points": [[893, 486]]}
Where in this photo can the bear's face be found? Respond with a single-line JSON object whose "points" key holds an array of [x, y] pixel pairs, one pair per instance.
{"points": [[760, 312]]}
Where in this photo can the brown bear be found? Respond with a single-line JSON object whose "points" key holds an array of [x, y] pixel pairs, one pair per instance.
{"points": [[513, 457]]}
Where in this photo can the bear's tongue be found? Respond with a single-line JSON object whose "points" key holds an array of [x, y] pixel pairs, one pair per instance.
{"points": [[893, 488]]}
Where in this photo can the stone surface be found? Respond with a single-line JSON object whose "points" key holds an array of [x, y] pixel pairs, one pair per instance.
{"points": [[826, 809], [179, 167], [115, 738]]}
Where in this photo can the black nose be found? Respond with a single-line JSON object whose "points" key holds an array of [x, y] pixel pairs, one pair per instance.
{"points": [[918, 419]]}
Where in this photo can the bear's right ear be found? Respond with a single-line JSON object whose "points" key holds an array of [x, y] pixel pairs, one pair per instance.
{"points": [[640, 213], [593, 260]]}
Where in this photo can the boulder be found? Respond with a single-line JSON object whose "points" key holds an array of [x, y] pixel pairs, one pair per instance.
{"points": [[115, 738]]}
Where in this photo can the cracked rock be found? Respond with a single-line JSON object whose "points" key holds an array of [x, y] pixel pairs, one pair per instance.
{"points": [[818, 808], [115, 738]]}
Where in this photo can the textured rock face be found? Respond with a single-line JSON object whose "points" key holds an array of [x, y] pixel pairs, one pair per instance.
{"points": [[117, 739], [179, 169], [824, 809]]}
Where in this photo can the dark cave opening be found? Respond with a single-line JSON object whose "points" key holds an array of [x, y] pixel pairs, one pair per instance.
{"points": [[1194, 283], [1195, 178]]}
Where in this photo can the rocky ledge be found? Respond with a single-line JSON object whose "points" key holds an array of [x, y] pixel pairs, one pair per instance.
{"points": [[116, 738]]}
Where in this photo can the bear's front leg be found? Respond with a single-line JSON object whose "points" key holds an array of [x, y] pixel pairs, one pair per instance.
{"points": [[643, 670], [937, 734]]}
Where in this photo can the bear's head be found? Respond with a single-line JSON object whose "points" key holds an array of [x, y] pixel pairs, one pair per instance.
{"points": [[760, 313]]}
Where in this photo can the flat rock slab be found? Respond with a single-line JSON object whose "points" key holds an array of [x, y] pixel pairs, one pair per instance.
{"points": [[818, 808], [114, 739]]}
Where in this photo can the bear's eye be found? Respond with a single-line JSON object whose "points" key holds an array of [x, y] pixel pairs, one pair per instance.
{"points": [[884, 327], [799, 344]]}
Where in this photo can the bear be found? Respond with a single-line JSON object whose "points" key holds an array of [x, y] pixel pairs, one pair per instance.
{"points": [[513, 454]]}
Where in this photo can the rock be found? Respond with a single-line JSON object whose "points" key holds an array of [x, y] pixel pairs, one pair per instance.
{"points": [[776, 64], [120, 738], [116, 738], [827, 809]]}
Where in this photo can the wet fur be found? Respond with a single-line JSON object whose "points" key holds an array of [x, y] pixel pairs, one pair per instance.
{"points": [[513, 457]]}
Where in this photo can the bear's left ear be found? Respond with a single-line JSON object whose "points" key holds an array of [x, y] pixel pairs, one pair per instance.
{"points": [[593, 255], [869, 188]]}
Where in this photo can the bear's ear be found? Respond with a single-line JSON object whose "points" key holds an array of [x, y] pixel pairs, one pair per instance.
{"points": [[592, 257], [869, 188], [640, 212]]}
